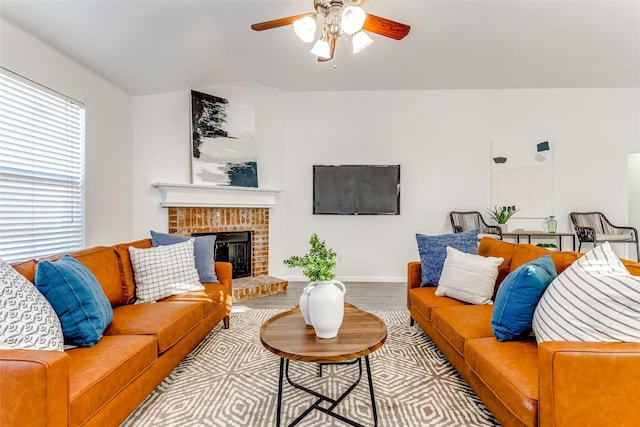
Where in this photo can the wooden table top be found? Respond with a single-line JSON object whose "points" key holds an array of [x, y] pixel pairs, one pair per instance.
{"points": [[286, 335]]}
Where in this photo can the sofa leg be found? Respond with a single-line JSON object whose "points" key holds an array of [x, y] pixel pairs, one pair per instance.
{"points": [[411, 321], [226, 321]]}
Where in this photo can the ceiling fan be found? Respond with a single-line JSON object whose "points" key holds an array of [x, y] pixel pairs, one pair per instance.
{"points": [[337, 18]]}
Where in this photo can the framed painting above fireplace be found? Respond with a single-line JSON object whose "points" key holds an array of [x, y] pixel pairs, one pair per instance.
{"points": [[223, 146]]}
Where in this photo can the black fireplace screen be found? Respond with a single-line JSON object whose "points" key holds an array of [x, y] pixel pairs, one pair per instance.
{"points": [[233, 247]]}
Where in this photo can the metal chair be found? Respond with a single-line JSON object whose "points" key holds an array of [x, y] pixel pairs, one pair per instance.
{"points": [[594, 227], [472, 220]]}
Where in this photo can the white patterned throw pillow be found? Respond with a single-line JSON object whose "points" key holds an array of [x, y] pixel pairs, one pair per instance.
{"points": [[468, 277], [595, 299], [164, 271], [27, 320]]}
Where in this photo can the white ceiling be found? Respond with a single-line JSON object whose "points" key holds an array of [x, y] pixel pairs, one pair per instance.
{"points": [[146, 46]]}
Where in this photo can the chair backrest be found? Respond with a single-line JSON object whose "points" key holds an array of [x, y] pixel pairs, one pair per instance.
{"points": [[467, 221], [595, 220]]}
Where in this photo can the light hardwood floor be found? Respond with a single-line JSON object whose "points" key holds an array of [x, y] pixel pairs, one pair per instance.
{"points": [[364, 295]]}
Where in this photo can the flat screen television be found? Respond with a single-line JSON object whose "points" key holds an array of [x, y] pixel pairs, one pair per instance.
{"points": [[356, 190]]}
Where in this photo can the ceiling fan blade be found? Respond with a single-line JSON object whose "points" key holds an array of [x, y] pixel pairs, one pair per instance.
{"points": [[385, 27], [279, 22], [332, 49]]}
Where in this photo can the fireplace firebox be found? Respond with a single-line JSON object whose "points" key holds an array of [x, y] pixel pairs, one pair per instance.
{"points": [[233, 247]]}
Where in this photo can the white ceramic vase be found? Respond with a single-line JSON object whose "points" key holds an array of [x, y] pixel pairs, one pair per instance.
{"points": [[304, 303], [326, 307]]}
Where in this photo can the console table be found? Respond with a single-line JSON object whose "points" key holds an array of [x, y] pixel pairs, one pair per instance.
{"points": [[540, 234]]}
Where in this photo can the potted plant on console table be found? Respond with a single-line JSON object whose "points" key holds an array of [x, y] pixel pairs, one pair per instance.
{"points": [[322, 300], [502, 214]]}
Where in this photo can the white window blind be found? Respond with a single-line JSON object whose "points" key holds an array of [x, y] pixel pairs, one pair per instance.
{"points": [[41, 171]]}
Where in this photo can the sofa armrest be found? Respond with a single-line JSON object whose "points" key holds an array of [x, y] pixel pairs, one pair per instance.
{"points": [[584, 383], [224, 273], [414, 278], [34, 388]]}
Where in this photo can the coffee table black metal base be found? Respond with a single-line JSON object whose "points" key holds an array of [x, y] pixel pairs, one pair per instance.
{"points": [[333, 403]]}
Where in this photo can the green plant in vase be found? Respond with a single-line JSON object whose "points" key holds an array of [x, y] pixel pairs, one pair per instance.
{"points": [[322, 300], [318, 264], [502, 214]]}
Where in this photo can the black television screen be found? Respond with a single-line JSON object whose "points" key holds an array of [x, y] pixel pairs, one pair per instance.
{"points": [[356, 190]]}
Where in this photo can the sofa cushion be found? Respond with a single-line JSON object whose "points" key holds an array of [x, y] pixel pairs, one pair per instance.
{"points": [[26, 269], [100, 372], [76, 296], [499, 249], [632, 267], [124, 260], [203, 249], [460, 323], [468, 277], [518, 297], [510, 371], [167, 321], [27, 319], [433, 251], [212, 297], [164, 271], [103, 264], [524, 253], [595, 299], [425, 300]]}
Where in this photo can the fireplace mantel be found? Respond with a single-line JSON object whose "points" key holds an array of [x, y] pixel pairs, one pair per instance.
{"points": [[195, 195]]}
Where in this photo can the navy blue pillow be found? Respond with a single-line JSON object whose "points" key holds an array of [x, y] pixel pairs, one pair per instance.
{"points": [[433, 251], [77, 298], [203, 250], [518, 296]]}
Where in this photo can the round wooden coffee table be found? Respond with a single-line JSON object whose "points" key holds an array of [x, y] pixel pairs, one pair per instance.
{"points": [[287, 336]]}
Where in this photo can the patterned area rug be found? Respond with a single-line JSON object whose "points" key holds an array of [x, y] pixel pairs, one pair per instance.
{"points": [[413, 382]]}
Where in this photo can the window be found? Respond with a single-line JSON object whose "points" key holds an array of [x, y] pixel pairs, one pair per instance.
{"points": [[41, 170]]}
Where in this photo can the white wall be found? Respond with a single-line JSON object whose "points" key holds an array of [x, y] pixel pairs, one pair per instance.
{"points": [[109, 120], [441, 139]]}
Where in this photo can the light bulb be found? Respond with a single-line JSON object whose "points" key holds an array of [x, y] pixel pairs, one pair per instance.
{"points": [[321, 49], [360, 41], [352, 19], [305, 28]]}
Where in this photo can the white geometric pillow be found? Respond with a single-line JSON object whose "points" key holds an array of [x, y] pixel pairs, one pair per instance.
{"points": [[595, 299], [27, 320], [164, 271], [468, 277]]}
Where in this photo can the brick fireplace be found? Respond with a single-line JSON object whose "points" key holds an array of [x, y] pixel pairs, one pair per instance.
{"points": [[195, 208], [188, 220]]}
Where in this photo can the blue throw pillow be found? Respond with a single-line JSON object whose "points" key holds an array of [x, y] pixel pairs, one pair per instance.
{"points": [[203, 248], [433, 251], [77, 298], [518, 296]]}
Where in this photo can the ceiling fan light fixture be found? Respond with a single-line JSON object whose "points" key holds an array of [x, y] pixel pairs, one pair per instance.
{"points": [[305, 29], [321, 49], [360, 41], [353, 19]]}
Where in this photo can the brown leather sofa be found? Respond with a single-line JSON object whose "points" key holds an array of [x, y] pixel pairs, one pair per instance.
{"points": [[554, 384], [103, 384]]}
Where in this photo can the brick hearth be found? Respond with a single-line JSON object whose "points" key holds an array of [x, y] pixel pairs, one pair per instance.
{"points": [[188, 220]]}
